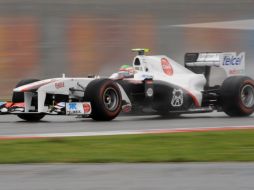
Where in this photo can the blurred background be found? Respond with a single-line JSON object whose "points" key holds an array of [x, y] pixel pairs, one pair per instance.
{"points": [[45, 38]]}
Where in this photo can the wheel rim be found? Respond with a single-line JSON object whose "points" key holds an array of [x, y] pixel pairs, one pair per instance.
{"points": [[247, 96], [110, 99]]}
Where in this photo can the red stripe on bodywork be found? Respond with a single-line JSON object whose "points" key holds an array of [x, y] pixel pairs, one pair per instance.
{"points": [[35, 86], [194, 99]]}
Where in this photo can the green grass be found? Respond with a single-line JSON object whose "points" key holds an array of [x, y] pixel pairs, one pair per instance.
{"points": [[180, 147]]}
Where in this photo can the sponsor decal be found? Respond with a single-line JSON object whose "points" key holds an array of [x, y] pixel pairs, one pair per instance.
{"points": [[206, 57], [72, 108], [149, 92], [78, 108], [232, 60], [166, 66], [146, 76], [236, 72], [177, 98], [233, 64], [87, 107], [59, 85]]}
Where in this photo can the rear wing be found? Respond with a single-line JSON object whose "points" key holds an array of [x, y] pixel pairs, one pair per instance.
{"points": [[232, 63]]}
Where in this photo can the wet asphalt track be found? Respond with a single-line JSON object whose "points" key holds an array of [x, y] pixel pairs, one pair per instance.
{"points": [[222, 176], [11, 125]]}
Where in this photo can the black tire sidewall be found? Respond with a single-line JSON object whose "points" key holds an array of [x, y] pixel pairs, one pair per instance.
{"points": [[94, 94], [230, 96], [31, 117]]}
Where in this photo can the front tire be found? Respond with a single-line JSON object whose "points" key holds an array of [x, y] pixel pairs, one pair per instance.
{"points": [[31, 117], [237, 96], [18, 97], [105, 98]]}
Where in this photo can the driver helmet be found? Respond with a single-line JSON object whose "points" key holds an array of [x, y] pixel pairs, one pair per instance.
{"points": [[126, 70]]}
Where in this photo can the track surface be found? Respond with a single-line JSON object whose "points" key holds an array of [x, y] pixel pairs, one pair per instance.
{"points": [[226, 176], [11, 125]]}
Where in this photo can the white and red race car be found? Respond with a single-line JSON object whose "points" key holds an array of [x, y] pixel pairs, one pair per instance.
{"points": [[153, 83]]}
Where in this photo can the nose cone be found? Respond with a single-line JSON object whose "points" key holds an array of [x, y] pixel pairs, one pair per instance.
{"points": [[33, 86]]}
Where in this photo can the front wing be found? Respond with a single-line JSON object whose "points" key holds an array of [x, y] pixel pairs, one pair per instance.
{"points": [[62, 108]]}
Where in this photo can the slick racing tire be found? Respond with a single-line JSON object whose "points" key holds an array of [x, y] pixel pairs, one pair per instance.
{"points": [[105, 98], [19, 97], [237, 96]]}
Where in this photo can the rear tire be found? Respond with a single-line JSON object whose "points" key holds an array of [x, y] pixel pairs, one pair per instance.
{"points": [[237, 96], [18, 97], [105, 98]]}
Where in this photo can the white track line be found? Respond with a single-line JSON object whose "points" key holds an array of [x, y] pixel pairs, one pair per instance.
{"points": [[125, 132]]}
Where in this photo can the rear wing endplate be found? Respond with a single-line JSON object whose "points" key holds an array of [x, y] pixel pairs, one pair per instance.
{"points": [[232, 63]]}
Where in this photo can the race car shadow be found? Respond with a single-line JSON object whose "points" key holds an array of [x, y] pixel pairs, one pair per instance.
{"points": [[220, 116], [47, 121], [71, 121]]}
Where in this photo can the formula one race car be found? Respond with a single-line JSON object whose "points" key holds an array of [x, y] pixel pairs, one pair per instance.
{"points": [[152, 83]]}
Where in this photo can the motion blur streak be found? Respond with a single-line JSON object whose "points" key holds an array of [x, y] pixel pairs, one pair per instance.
{"points": [[18, 49], [42, 39]]}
